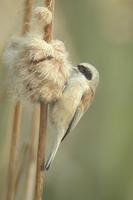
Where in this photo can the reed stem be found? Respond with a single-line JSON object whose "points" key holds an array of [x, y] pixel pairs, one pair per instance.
{"points": [[11, 174], [48, 33]]}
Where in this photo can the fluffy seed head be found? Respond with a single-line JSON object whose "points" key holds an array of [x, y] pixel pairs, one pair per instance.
{"points": [[40, 70], [43, 15]]}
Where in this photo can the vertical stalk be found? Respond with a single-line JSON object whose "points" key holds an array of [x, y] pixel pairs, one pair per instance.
{"points": [[48, 36], [27, 16], [11, 176], [41, 152], [31, 175], [48, 32], [13, 152]]}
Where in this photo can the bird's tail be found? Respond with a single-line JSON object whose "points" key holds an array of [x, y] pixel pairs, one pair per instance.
{"points": [[52, 155]]}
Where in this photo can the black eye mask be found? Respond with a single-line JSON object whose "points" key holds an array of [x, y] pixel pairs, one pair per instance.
{"points": [[84, 70]]}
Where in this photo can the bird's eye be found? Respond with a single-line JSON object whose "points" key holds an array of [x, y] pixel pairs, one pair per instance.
{"points": [[86, 71]]}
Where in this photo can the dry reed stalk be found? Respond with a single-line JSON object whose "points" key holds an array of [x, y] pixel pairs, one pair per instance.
{"points": [[30, 183], [43, 121], [40, 153], [13, 152], [27, 160], [17, 118], [27, 16]]}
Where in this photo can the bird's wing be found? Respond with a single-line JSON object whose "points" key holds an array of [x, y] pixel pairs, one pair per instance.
{"points": [[85, 102]]}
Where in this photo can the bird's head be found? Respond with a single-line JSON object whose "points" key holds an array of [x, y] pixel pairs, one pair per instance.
{"points": [[90, 73]]}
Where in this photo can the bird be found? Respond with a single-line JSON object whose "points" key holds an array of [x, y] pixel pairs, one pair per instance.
{"points": [[65, 113]]}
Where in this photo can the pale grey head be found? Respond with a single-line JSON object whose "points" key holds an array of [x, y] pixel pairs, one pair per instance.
{"points": [[90, 73]]}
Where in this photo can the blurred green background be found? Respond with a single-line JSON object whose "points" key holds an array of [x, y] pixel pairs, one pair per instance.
{"points": [[95, 162]]}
